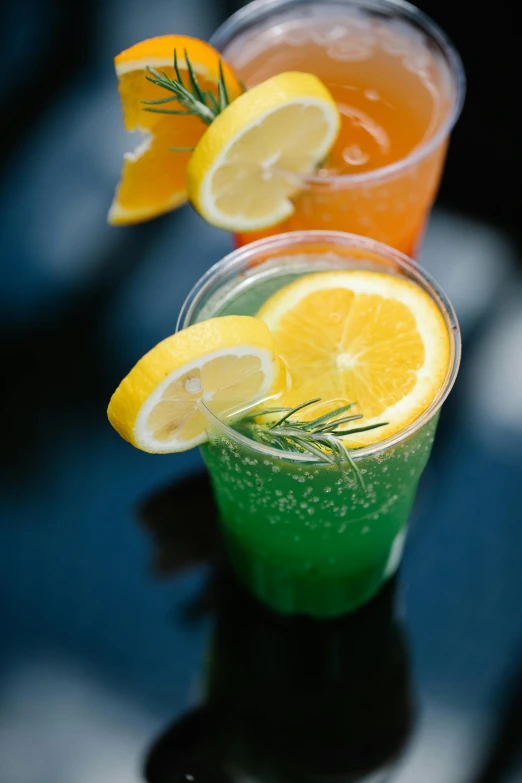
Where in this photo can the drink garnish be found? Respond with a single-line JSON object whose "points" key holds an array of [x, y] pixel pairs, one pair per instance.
{"points": [[254, 157], [387, 348], [320, 437], [239, 155], [198, 102], [228, 364], [153, 179], [356, 334]]}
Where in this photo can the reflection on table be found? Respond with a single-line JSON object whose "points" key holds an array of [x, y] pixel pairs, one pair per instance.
{"points": [[285, 698]]}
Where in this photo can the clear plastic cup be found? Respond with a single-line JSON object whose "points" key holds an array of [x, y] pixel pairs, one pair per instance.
{"points": [[389, 202], [301, 536]]}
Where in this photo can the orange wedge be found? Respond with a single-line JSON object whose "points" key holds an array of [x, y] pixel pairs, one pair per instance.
{"points": [[153, 179]]}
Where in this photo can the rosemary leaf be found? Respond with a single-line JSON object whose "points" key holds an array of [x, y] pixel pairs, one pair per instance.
{"points": [[271, 411], [169, 111], [196, 89], [333, 424], [307, 446], [355, 468], [198, 102], [155, 73], [223, 84], [367, 427], [176, 68], [222, 97], [160, 83], [160, 100], [294, 410], [321, 437], [330, 415], [213, 101]]}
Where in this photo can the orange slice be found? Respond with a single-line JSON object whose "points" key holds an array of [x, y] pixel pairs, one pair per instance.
{"points": [[153, 179], [363, 337]]}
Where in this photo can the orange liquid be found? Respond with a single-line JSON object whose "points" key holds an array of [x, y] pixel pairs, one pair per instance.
{"points": [[393, 94]]}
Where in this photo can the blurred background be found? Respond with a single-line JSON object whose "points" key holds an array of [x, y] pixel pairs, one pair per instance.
{"points": [[103, 627]]}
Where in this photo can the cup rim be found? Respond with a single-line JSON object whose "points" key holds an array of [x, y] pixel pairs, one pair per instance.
{"points": [[241, 258], [250, 11]]}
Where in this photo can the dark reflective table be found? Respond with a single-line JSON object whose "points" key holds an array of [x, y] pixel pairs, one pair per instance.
{"points": [[291, 699], [127, 650], [285, 699]]}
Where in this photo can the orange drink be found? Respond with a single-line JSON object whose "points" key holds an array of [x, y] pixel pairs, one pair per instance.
{"points": [[399, 86]]}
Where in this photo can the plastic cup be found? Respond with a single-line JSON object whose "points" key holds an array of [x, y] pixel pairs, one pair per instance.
{"points": [[301, 536]]}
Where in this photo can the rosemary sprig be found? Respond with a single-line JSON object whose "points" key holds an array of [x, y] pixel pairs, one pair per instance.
{"points": [[320, 437], [194, 100]]}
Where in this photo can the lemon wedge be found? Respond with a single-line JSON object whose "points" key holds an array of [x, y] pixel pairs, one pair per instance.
{"points": [[249, 161], [364, 337], [225, 363]]}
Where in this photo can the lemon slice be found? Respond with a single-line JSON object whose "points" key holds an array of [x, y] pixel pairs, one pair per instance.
{"points": [[247, 163], [226, 362], [363, 337]]}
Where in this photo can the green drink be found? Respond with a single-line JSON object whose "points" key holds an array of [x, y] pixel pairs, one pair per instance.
{"points": [[303, 538], [304, 535]]}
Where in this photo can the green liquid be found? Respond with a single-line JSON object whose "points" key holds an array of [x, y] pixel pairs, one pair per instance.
{"points": [[302, 536]]}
